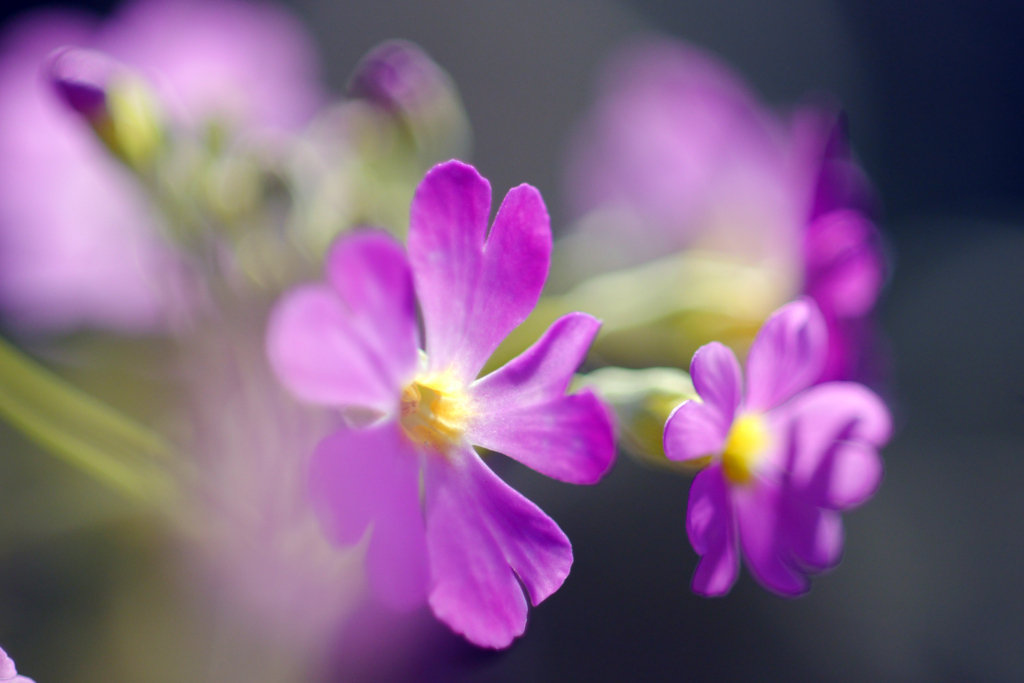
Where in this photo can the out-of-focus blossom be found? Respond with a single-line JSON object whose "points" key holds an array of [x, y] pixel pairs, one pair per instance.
{"points": [[683, 182], [399, 77], [8, 672], [783, 457], [263, 560], [78, 243], [81, 242], [843, 266], [353, 343], [225, 61]]}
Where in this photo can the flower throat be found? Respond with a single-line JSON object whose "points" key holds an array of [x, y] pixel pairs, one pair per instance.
{"points": [[434, 413]]}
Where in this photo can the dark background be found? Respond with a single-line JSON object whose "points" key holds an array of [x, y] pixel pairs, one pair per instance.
{"points": [[930, 589]]}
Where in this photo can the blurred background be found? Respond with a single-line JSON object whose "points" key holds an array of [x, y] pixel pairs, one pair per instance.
{"points": [[930, 588]]}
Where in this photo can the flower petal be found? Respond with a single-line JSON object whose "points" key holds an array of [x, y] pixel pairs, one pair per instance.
{"points": [[845, 266], [694, 430], [353, 344], [371, 273], [763, 537], [396, 561], [543, 371], [787, 355], [569, 438], [716, 377], [522, 410], [447, 228], [7, 669], [474, 295], [516, 262], [363, 476], [481, 535], [835, 431], [814, 537], [712, 531]]}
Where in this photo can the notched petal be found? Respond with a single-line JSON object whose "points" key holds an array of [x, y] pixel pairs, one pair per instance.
{"points": [[481, 535], [712, 531], [787, 355]]}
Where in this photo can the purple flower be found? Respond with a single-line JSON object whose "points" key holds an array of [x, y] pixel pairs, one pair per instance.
{"points": [[444, 526], [843, 266], [679, 154], [80, 241], [246, 63], [8, 672], [783, 458]]}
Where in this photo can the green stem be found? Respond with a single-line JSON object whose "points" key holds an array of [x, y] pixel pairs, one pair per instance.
{"points": [[83, 431]]}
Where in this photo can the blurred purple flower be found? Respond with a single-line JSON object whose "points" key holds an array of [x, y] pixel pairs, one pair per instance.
{"points": [[259, 555], [844, 269], [685, 157], [352, 343], [8, 672], [783, 458], [248, 63], [396, 75], [80, 243]]}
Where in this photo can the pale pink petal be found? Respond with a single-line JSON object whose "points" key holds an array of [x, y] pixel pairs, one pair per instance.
{"points": [[835, 430], [569, 438], [481, 536], [7, 669], [694, 430], [711, 528], [396, 561], [370, 271], [447, 229], [353, 345], [787, 355], [763, 537], [360, 478]]}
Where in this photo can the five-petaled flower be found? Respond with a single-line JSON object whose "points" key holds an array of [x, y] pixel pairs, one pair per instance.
{"points": [[444, 526], [782, 459]]}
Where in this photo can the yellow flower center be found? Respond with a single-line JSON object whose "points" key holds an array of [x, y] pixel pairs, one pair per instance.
{"points": [[435, 412], [747, 440]]}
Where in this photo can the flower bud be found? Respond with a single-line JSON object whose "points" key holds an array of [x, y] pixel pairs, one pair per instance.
{"points": [[118, 103], [79, 78], [400, 78]]}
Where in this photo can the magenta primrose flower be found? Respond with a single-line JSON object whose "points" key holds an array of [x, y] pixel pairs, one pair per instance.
{"points": [[444, 527], [783, 458]]}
